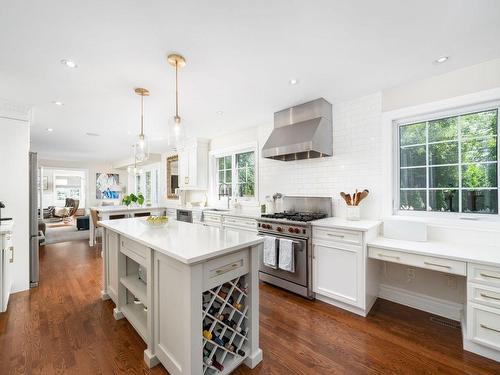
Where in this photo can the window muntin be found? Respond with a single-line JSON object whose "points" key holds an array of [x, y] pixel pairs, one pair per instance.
{"points": [[450, 164]]}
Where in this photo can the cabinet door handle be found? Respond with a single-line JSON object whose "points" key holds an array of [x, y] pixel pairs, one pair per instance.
{"points": [[491, 329], [388, 256], [437, 265], [489, 276], [484, 295], [11, 260]]}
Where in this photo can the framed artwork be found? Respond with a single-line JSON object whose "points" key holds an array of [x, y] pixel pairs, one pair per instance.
{"points": [[107, 186]]}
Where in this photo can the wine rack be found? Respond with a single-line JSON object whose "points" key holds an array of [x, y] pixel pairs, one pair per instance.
{"points": [[225, 326]]}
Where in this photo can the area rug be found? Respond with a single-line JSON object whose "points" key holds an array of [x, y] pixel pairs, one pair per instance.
{"points": [[64, 233]]}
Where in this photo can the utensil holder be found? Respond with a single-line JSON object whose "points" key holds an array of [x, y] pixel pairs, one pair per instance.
{"points": [[353, 213]]}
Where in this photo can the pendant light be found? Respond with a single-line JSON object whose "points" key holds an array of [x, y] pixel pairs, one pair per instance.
{"points": [[142, 145], [176, 123]]}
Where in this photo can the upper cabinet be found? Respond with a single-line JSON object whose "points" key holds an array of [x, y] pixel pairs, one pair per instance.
{"points": [[193, 164]]}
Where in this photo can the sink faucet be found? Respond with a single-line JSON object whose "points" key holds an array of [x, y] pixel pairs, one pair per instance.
{"points": [[225, 193]]}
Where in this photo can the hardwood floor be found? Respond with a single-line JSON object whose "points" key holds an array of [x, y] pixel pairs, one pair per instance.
{"points": [[63, 327]]}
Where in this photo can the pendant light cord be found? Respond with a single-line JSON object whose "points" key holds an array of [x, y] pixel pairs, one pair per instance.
{"points": [[142, 115]]}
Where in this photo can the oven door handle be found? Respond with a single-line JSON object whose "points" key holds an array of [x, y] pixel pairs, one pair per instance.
{"points": [[277, 239]]}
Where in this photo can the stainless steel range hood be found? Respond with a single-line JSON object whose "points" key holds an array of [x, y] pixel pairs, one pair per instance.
{"points": [[301, 132]]}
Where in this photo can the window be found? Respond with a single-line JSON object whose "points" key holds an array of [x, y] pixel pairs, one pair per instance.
{"points": [[147, 183], [68, 184], [235, 174], [450, 164]]}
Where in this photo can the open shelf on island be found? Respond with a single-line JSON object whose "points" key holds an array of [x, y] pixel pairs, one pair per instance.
{"points": [[136, 286], [137, 316]]}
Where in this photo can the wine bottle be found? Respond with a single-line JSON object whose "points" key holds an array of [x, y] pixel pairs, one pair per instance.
{"points": [[241, 352], [218, 341], [207, 335], [234, 326], [216, 364], [207, 361], [237, 305]]}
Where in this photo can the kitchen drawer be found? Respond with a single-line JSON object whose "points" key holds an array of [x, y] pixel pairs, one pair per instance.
{"points": [[482, 274], [421, 261], [171, 212], [483, 294], [239, 222], [134, 250], [212, 219], [483, 325], [338, 235], [224, 269]]}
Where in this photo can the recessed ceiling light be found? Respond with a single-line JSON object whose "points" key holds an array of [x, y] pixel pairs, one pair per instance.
{"points": [[293, 81], [90, 134], [50, 130], [57, 102], [220, 113], [69, 63], [441, 59]]}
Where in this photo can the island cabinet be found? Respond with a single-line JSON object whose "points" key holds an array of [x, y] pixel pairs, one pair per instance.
{"points": [[197, 310], [6, 261]]}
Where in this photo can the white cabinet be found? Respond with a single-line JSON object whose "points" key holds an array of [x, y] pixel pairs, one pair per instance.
{"points": [[239, 223], [111, 280], [338, 273], [193, 164], [212, 219], [6, 261], [342, 274]]}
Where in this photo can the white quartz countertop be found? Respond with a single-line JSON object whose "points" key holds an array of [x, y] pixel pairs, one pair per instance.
{"points": [[127, 208], [341, 223], [188, 243], [484, 254], [6, 226]]}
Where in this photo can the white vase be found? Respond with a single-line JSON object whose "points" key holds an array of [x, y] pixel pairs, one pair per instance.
{"points": [[353, 213]]}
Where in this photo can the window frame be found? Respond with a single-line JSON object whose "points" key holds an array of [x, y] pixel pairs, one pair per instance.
{"points": [[457, 111], [214, 172]]}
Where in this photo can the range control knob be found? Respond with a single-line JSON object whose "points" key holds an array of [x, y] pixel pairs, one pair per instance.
{"points": [[290, 230], [296, 230], [279, 229]]}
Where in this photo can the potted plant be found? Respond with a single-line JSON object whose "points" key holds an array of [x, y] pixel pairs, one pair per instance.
{"points": [[132, 198]]}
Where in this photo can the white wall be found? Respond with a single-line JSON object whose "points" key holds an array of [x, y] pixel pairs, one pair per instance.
{"points": [[92, 168], [14, 192]]}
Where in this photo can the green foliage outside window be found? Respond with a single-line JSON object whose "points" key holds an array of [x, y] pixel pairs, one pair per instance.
{"points": [[450, 162]]}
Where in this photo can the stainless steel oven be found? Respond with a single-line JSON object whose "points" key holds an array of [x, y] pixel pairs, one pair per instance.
{"points": [[299, 277], [293, 223]]}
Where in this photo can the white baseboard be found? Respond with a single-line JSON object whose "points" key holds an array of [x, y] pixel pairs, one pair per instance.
{"points": [[436, 306]]}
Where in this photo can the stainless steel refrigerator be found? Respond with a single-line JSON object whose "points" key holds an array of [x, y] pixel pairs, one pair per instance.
{"points": [[33, 200]]}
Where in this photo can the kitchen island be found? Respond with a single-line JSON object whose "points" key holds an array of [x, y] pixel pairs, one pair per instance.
{"points": [[190, 291]]}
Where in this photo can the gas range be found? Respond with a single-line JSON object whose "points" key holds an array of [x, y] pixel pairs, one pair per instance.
{"points": [[294, 224]]}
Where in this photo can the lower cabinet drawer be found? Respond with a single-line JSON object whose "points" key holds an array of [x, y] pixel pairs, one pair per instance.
{"points": [[237, 223], [483, 294], [338, 235], [134, 250], [221, 270], [483, 325], [421, 261], [483, 274]]}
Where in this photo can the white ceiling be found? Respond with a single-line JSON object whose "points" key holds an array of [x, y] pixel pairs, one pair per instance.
{"points": [[240, 54]]}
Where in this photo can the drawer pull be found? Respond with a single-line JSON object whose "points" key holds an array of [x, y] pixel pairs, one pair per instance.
{"points": [[490, 297], [491, 329], [335, 235], [231, 267], [11, 260], [436, 265], [388, 256], [489, 276]]}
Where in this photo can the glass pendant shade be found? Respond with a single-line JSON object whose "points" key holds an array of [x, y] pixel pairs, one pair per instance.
{"points": [[141, 149], [176, 132]]}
